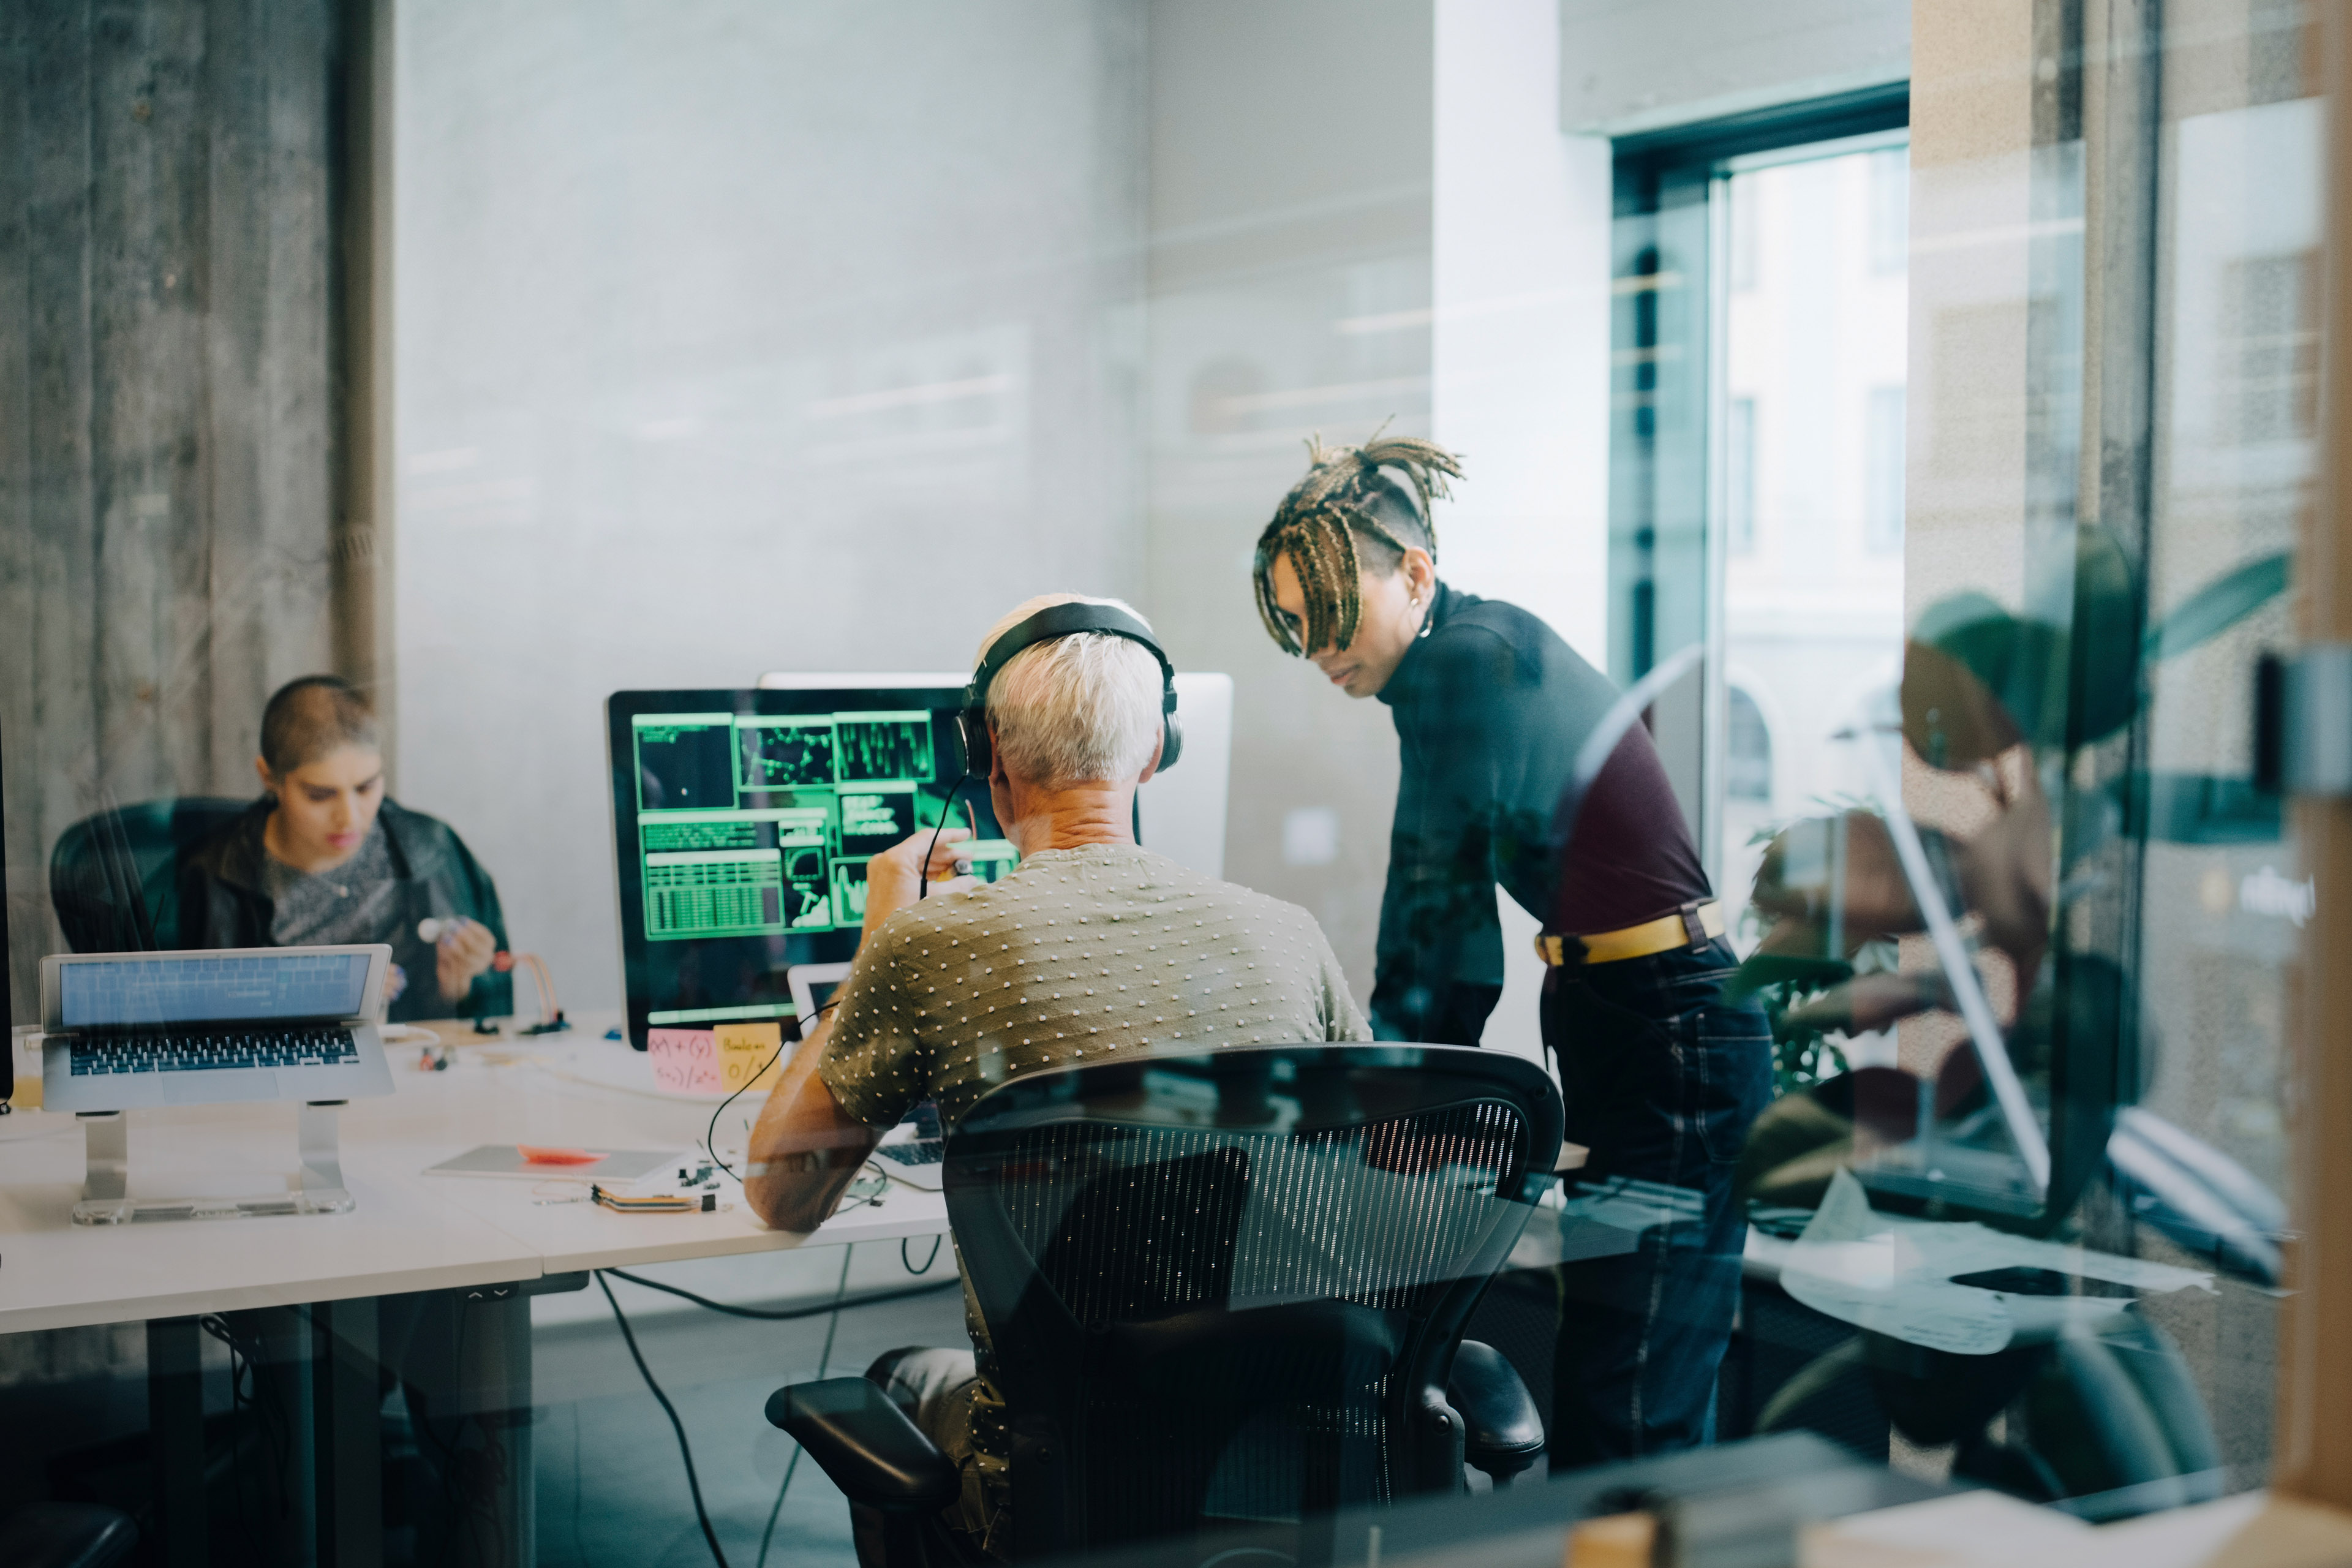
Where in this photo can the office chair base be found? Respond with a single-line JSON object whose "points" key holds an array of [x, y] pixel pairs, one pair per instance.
{"points": [[106, 1180]]}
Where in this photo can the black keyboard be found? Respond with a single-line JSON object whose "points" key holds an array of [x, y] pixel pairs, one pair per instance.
{"points": [[212, 1049], [921, 1152]]}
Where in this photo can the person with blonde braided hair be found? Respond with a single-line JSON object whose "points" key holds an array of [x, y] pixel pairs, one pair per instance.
{"points": [[1660, 1074]]}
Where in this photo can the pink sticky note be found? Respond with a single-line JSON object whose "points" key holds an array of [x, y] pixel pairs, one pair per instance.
{"points": [[684, 1060]]}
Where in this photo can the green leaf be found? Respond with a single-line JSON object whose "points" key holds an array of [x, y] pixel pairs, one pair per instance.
{"points": [[1784, 969], [2218, 605]]}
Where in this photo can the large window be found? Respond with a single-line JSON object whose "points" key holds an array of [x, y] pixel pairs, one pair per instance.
{"points": [[1757, 478], [1968, 479]]}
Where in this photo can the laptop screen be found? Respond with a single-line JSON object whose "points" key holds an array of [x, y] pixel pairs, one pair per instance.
{"points": [[270, 983]]}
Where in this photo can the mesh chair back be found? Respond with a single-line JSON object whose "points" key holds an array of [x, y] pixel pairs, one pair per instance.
{"points": [[114, 876], [1226, 1286]]}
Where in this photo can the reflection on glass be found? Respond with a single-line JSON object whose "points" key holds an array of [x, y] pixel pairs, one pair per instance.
{"points": [[2024, 982], [1813, 366]]}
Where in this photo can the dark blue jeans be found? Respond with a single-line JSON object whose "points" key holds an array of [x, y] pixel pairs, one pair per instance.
{"points": [[1661, 1080]]}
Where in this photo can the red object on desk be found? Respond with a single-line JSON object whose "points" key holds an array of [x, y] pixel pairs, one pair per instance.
{"points": [[536, 1155]]}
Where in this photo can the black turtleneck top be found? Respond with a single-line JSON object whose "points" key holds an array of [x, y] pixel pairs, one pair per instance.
{"points": [[1491, 707]]}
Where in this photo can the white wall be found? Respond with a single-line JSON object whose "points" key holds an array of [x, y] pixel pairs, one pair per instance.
{"points": [[1521, 351], [1520, 269], [738, 337], [742, 337], [1638, 65], [1289, 175], [1527, 93]]}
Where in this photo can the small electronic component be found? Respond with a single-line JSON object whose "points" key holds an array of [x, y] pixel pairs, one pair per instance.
{"points": [[692, 1186], [655, 1203]]}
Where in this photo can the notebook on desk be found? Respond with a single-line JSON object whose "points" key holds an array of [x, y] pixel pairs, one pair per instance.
{"points": [[123, 1031]]}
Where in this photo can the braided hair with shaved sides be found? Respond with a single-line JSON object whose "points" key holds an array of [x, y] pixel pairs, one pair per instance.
{"points": [[1346, 498]]}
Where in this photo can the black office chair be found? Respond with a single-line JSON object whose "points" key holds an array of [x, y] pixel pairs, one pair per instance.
{"points": [[1224, 1289], [114, 876]]}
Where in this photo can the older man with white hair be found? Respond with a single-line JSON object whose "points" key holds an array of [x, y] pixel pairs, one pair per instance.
{"points": [[1046, 967]]}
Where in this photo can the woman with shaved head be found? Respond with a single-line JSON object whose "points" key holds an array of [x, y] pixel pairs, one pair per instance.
{"points": [[324, 858]]}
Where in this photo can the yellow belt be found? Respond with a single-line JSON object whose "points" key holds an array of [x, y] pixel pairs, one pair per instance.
{"points": [[1693, 925]]}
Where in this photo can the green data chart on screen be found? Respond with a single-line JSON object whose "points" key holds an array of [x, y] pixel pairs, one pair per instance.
{"points": [[760, 824]]}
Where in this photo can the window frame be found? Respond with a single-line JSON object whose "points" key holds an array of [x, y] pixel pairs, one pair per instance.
{"points": [[1669, 499]]}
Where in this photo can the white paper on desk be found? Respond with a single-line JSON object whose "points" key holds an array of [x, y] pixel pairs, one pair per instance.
{"points": [[1894, 1276], [612, 1166]]}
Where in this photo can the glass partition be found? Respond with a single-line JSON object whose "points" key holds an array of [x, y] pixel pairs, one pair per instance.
{"points": [[1679, 859], [2052, 1210]]}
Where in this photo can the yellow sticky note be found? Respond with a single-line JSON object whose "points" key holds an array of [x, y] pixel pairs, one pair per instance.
{"points": [[750, 1054], [26, 1041]]}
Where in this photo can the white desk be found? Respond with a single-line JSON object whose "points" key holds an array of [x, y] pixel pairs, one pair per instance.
{"points": [[492, 1097], [489, 1238], [408, 1232]]}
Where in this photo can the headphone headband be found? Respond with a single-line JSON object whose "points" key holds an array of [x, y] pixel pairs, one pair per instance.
{"points": [[1063, 620]]}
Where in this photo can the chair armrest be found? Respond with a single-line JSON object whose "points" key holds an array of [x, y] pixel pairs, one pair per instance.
{"points": [[1502, 1433], [865, 1445], [65, 1536]]}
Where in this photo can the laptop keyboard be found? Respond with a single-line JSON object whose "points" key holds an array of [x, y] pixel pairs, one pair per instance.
{"points": [[921, 1152], [211, 1051]]}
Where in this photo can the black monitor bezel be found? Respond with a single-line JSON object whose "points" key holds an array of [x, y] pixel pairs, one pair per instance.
{"points": [[622, 708]]}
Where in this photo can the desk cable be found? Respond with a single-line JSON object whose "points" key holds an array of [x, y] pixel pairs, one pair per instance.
{"points": [[255, 1395], [824, 1364], [787, 1314], [841, 1299], [684, 1450], [710, 1133]]}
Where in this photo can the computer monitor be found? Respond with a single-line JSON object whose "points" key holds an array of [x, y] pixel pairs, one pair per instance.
{"points": [[743, 822]]}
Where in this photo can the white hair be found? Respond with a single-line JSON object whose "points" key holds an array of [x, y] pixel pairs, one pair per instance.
{"points": [[1082, 708]]}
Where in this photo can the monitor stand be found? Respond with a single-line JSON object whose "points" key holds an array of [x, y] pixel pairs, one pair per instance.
{"points": [[105, 1193]]}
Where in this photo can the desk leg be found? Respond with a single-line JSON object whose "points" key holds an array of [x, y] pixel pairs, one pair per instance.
{"points": [[349, 1402], [175, 1436], [495, 1376], [464, 1361], [282, 1343]]}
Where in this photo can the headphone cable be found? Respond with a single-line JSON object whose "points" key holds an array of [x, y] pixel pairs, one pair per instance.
{"points": [[923, 872]]}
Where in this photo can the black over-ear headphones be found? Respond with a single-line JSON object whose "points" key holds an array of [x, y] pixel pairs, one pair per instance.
{"points": [[1061, 621]]}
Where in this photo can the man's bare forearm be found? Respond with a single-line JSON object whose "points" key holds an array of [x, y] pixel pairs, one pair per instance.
{"points": [[798, 1192], [804, 1151]]}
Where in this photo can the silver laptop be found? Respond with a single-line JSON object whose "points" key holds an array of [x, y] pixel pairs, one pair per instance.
{"points": [[122, 1031], [813, 986], [913, 1150]]}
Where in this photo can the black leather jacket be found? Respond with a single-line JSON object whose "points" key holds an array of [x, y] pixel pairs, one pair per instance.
{"points": [[222, 902]]}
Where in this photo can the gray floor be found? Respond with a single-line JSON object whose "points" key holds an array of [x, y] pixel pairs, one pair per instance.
{"points": [[611, 1491]]}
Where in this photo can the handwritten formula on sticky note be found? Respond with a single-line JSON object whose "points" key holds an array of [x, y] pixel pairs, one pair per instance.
{"points": [[717, 1061], [749, 1055], [685, 1061]]}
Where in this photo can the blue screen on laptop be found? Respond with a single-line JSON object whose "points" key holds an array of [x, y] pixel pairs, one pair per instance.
{"points": [[271, 984]]}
